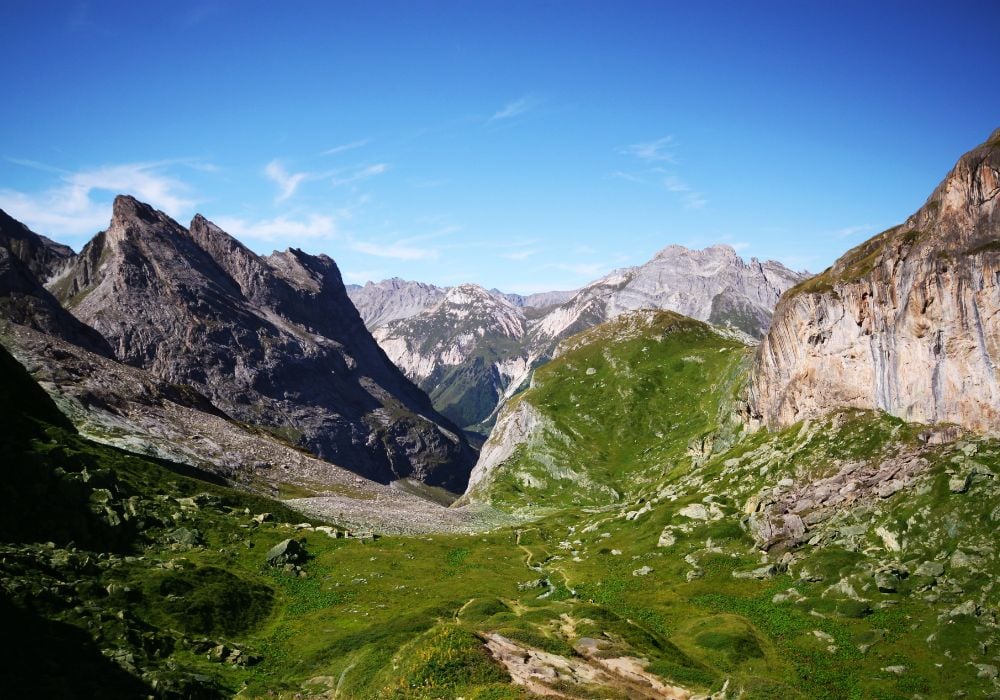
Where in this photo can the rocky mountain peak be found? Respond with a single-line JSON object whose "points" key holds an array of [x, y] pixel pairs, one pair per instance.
{"points": [[305, 271], [467, 294], [127, 209], [719, 251], [274, 342]]}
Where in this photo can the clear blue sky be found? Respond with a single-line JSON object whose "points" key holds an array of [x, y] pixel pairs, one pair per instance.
{"points": [[525, 146]]}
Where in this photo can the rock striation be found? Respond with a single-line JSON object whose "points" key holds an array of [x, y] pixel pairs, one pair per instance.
{"points": [[272, 341], [908, 322]]}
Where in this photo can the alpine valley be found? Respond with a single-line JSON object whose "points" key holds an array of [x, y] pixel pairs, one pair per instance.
{"points": [[230, 475]]}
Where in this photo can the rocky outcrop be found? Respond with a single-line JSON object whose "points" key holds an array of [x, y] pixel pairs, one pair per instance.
{"points": [[42, 256], [274, 342], [908, 322], [540, 300], [516, 426]]}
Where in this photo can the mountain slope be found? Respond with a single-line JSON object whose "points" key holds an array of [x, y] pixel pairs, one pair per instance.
{"points": [[908, 322], [713, 285], [42, 256], [274, 342], [463, 351], [611, 412]]}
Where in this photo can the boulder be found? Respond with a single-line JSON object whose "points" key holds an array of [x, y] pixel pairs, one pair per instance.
{"points": [[286, 552]]}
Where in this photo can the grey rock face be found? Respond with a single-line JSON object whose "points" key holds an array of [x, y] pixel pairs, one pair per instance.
{"points": [[42, 256], [908, 322], [286, 552], [713, 285], [540, 300], [274, 342], [390, 300]]}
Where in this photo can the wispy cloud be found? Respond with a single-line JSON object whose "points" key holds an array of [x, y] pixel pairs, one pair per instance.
{"points": [[692, 199], [71, 207], [515, 108], [398, 250], [518, 254], [346, 147], [360, 173], [654, 154], [281, 228], [629, 177], [658, 151], [287, 182]]}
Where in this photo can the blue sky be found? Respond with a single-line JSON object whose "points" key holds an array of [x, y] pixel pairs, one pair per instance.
{"points": [[519, 145]]}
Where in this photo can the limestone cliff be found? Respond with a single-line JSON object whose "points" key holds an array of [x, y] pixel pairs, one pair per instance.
{"points": [[908, 322]]}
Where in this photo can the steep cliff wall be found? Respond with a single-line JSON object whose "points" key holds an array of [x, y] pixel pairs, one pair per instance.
{"points": [[907, 322]]}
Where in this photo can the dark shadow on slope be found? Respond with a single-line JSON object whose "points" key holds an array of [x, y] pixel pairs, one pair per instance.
{"points": [[54, 660]]}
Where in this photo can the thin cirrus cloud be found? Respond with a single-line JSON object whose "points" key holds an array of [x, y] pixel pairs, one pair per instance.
{"points": [[360, 173], [514, 108], [628, 177], [287, 182], [654, 154], [692, 199], [74, 206], [281, 228], [660, 150], [346, 147]]}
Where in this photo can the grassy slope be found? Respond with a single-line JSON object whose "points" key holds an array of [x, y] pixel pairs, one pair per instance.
{"points": [[624, 406], [398, 617]]}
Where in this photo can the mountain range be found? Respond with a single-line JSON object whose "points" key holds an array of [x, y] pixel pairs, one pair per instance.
{"points": [[273, 343], [471, 349]]}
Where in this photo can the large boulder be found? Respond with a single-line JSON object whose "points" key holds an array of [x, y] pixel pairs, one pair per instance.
{"points": [[286, 552]]}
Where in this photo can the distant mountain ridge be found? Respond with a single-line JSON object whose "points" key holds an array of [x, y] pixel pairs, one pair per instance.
{"points": [[394, 299], [470, 361]]}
